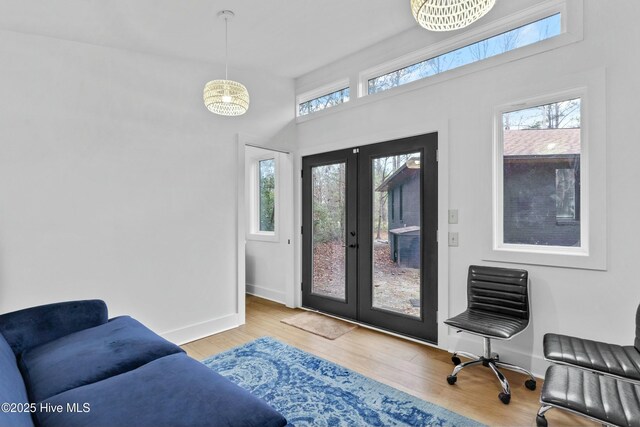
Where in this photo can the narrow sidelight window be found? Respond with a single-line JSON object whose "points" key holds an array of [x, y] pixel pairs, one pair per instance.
{"points": [[266, 194]]}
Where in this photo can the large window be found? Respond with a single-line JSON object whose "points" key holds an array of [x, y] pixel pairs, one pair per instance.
{"points": [[549, 204], [541, 156], [525, 35]]}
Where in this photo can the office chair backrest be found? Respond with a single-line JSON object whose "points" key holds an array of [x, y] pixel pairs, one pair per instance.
{"points": [[638, 329], [499, 290]]}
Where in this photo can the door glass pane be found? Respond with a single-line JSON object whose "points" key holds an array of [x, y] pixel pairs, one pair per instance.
{"points": [[396, 234], [329, 217]]}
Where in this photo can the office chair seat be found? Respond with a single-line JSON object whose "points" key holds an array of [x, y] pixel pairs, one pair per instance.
{"points": [[488, 324]]}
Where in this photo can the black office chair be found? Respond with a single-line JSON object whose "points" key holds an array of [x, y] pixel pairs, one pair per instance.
{"points": [[497, 308]]}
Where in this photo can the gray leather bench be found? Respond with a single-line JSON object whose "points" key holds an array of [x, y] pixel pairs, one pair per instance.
{"points": [[602, 398], [594, 379], [614, 360]]}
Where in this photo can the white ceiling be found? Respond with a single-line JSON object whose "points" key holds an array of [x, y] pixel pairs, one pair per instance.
{"points": [[284, 37]]}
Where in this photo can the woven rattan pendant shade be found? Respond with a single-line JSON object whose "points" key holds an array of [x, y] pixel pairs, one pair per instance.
{"points": [[226, 97], [447, 15]]}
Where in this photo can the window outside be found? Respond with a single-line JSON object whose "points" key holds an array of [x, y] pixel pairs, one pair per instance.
{"points": [[397, 220], [323, 102], [519, 37], [329, 234], [266, 196], [565, 194], [541, 175]]}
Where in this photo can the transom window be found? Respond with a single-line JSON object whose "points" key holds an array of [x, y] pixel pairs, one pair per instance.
{"points": [[525, 35], [323, 102]]}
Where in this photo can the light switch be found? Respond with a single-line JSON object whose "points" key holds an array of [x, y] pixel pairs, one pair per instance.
{"points": [[453, 216], [453, 238]]}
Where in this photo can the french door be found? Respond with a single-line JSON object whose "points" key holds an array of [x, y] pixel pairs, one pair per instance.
{"points": [[370, 235]]}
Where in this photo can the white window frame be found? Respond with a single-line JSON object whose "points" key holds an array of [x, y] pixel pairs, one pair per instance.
{"points": [[319, 92], [592, 254], [254, 232], [571, 31], [498, 170]]}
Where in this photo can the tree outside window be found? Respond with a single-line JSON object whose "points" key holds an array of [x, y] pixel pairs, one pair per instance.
{"points": [[323, 102], [267, 185], [516, 38]]}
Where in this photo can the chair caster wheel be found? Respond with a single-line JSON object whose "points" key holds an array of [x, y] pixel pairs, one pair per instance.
{"points": [[451, 379], [530, 384], [456, 360], [541, 421], [504, 398]]}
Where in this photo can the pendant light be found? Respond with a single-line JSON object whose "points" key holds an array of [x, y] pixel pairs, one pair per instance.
{"points": [[226, 97], [447, 15]]}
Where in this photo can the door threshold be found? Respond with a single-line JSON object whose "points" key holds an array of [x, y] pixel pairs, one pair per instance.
{"points": [[374, 328]]}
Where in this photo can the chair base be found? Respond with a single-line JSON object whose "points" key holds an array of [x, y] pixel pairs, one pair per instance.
{"points": [[493, 362]]}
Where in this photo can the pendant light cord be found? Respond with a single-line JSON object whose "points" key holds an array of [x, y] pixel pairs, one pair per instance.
{"points": [[226, 48]]}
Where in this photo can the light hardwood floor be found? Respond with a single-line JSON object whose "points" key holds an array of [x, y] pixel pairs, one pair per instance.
{"points": [[413, 368]]}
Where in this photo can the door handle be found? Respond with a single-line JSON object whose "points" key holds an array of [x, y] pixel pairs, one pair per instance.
{"points": [[353, 245]]}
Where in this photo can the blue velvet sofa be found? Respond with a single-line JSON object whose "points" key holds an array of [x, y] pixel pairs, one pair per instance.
{"points": [[68, 365]]}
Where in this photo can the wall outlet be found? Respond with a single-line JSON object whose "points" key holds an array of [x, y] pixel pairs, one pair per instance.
{"points": [[453, 238], [453, 216]]}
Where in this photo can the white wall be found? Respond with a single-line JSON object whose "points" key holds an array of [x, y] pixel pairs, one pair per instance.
{"points": [[596, 304], [269, 263], [117, 183]]}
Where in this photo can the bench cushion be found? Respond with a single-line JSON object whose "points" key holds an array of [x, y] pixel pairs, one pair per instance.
{"points": [[174, 391], [12, 388], [637, 340], [622, 361], [607, 399], [91, 355]]}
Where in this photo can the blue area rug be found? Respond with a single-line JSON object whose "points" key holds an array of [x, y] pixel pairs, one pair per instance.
{"points": [[310, 391]]}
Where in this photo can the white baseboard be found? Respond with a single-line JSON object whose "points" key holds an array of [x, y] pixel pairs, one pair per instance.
{"points": [[473, 344], [200, 330], [266, 293]]}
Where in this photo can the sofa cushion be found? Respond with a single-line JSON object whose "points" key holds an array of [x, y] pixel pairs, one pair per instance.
{"points": [[31, 327], [173, 391], [12, 390], [91, 355]]}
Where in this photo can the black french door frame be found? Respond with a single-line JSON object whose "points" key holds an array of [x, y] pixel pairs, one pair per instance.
{"points": [[425, 327], [358, 303], [347, 308]]}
